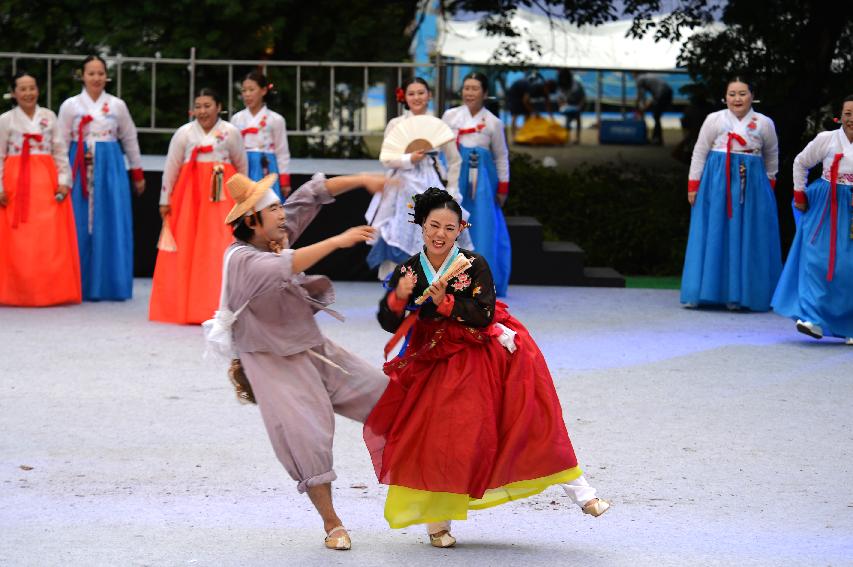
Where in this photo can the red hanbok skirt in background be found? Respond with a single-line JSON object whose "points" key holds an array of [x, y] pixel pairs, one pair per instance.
{"points": [[39, 262], [464, 424], [186, 282]]}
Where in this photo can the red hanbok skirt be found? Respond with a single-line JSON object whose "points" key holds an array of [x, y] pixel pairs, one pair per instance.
{"points": [[186, 282], [39, 262], [465, 424]]}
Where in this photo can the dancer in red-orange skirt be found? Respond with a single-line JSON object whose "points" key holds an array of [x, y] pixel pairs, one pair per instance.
{"points": [[470, 418], [202, 156], [39, 264]]}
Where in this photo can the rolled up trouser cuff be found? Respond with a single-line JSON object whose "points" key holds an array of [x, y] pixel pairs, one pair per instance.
{"points": [[316, 480]]}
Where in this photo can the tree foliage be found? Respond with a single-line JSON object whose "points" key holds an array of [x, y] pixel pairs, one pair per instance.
{"points": [[798, 52], [334, 30]]}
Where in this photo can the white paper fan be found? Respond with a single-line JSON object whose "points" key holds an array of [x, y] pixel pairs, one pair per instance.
{"points": [[421, 132]]}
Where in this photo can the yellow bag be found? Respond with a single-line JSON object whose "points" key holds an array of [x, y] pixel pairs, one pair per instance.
{"points": [[539, 131]]}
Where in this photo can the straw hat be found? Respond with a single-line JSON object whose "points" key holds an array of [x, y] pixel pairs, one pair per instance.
{"points": [[246, 193]]}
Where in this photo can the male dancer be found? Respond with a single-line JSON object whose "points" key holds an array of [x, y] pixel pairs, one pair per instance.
{"points": [[299, 377]]}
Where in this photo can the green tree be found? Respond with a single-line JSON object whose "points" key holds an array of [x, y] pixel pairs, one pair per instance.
{"points": [[341, 30], [799, 53]]}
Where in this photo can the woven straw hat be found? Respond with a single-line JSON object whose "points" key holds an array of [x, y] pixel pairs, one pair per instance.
{"points": [[246, 193]]}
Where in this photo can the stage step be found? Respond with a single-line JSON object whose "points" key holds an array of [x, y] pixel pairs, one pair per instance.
{"points": [[539, 262]]}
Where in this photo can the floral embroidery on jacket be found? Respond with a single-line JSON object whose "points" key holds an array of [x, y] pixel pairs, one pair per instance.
{"points": [[105, 109], [409, 270], [463, 280]]}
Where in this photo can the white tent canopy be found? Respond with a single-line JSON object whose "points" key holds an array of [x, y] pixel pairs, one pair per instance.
{"points": [[562, 44]]}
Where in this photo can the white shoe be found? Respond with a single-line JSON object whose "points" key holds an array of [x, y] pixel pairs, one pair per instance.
{"points": [[732, 306], [849, 341], [690, 305], [809, 329]]}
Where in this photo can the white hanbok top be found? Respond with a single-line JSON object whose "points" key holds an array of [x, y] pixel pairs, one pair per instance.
{"points": [[225, 142], [266, 131], [15, 123], [823, 149], [756, 129], [484, 130], [111, 122]]}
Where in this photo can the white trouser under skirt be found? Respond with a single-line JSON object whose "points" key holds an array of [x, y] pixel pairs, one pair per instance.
{"points": [[579, 491]]}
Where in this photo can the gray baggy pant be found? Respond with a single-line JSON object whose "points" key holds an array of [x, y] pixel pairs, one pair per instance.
{"points": [[298, 396]]}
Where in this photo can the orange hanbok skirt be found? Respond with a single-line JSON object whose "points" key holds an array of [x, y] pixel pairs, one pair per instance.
{"points": [[186, 282], [39, 262]]}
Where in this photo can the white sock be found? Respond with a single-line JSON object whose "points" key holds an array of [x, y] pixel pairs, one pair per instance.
{"points": [[579, 491]]}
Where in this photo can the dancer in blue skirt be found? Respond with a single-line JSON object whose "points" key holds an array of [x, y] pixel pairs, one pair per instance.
{"points": [[733, 257], [484, 181], [816, 287], [102, 133], [264, 134]]}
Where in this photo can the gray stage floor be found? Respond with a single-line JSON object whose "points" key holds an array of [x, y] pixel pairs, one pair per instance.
{"points": [[721, 438]]}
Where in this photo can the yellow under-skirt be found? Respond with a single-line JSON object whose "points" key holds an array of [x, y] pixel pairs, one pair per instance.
{"points": [[407, 506]]}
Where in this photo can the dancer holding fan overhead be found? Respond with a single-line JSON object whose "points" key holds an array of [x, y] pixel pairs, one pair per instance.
{"points": [[202, 156], [264, 134], [484, 182], [410, 152], [470, 418]]}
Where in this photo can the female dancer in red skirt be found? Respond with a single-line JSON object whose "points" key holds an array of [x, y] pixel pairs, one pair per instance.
{"points": [[470, 418], [38, 243]]}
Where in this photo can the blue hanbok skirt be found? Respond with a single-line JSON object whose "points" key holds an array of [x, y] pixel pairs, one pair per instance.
{"points": [[105, 226], [733, 260], [804, 291], [256, 168], [488, 227]]}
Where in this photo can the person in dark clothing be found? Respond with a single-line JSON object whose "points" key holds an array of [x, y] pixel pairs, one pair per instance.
{"points": [[661, 99]]}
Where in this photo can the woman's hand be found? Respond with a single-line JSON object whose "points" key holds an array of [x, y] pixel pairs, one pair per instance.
{"points": [[437, 291], [4, 200], [353, 236], [502, 199], [802, 207], [63, 190], [417, 156], [691, 197], [405, 286], [165, 210], [139, 186]]}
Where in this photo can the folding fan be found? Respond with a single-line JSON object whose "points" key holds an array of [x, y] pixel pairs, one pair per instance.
{"points": [[421, 132]]}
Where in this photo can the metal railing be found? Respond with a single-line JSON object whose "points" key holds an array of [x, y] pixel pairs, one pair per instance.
{"points": [[118, 63], [444, 75]]}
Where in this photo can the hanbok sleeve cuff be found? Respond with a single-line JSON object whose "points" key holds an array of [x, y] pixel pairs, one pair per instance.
{"points": [[773, 183], [692, 185], [446, 306], [395, 304], [503, 188], [800, 197], [137, 174], [284, 179]]}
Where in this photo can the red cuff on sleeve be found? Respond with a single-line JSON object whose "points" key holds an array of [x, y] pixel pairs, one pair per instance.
{"points": [[503, 188], [446, 306], [800, 197], [692, 185], [395, 304], [284, 179], [773, 183], [137, 174]]}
